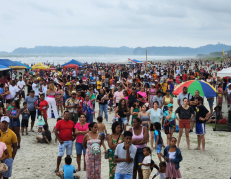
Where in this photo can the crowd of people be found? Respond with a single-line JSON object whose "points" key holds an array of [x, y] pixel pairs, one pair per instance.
{"points": [[140, 96]]}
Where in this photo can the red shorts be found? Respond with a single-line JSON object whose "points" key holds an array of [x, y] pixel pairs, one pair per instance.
{"points": [[184, 123]]}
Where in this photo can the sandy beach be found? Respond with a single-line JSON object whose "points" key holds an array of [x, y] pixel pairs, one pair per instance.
{"points": [[35, 160]]}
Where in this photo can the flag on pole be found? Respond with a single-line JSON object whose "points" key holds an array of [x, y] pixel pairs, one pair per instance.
{"points": [[131, 60]]}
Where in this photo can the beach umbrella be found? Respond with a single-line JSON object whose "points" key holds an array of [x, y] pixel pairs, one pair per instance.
{"points": [[203, 87]]}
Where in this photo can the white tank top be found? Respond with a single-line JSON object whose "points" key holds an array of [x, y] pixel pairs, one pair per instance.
{"points": [[229, 91]]}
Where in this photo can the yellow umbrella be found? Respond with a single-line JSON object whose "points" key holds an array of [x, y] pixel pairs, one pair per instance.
{"points": [[39, 66]]}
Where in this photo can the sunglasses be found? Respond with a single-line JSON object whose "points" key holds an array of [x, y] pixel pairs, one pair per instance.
{"points": [[73, 94]]}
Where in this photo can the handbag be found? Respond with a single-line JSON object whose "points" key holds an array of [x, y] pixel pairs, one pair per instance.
{"points": [[3, 167], [166, 129]]}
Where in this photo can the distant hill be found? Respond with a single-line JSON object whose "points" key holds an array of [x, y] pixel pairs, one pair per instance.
{"points": [[75, 50], [90, 50], [181, 50]]}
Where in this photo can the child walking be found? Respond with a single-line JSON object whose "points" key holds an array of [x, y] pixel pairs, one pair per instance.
{"points": [[40, 122], [146, 164], [159, 143], [101, 130], [173, 157], [68, 170], [161, 171], [25, 118]]}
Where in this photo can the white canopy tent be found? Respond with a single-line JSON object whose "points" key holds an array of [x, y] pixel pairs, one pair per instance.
{"points": [[224, 72]]}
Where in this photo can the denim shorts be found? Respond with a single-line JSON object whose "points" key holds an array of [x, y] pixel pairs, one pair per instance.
{"points": [[123, 176], [14, 123], [211, 103], [68, 145], [124, 120], [138, 158], [159, 148], [9, 163], [79, 148]]}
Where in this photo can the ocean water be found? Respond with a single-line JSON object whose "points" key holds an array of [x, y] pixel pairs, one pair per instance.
{"points": [[31, 59]]}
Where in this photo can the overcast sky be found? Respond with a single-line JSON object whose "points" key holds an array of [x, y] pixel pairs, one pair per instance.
{"points": [[114, 23]]}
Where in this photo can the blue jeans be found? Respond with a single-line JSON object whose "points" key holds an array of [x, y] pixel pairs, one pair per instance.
{"points": [[89, 118], [103, 108], [123, 176]]}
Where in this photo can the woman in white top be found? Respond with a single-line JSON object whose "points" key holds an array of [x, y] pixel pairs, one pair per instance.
{"points": [[156, 115]]}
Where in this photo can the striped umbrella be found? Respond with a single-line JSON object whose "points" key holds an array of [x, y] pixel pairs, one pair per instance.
{"points": [[203, 87]]}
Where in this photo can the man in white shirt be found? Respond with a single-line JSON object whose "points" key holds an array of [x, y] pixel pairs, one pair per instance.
{"points": [[21, 85], [13, 90], [44, 88], [35, 87]]}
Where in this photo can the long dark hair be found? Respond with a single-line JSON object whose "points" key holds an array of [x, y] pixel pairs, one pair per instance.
{"points": [[120, 104]]}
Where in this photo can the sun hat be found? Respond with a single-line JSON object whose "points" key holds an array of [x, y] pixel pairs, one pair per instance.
{"points": [[68, 83], [170, 105]]}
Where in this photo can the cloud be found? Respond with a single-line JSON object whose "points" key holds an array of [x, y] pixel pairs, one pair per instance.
{"points": [[117, 23]]}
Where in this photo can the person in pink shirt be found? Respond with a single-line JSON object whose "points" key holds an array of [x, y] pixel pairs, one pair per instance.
{"points": [[117, 95], [3, 150], [142, 96], [81, 128]]}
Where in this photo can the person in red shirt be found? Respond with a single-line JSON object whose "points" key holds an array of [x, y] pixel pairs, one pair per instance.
{"points": [[81, 100], [66, 136], [42, 105], [184, 77]]}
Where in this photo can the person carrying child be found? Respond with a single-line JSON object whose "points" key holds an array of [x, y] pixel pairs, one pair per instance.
{"points": [[161, 171], [46, 135], [159, 143], [146, 164], [68, 170], [102, 130], [40, 122], [25, 118], [173, 157]]}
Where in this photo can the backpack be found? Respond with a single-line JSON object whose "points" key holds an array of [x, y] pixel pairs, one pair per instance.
{"points": [[95, 147]]}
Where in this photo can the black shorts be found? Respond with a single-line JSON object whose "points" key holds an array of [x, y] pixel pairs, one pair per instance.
{"points": [[117, 104], [22, 94], [8, 101], [151, 127], [32, 115], [24, 123]]}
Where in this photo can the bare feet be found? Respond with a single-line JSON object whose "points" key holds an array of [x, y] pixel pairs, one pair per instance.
{"points": [[198, 148], [202, 150], [78, 169]]}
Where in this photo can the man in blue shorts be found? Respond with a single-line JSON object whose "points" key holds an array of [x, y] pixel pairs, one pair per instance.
{"points": [[66, 136], [202, 114]]}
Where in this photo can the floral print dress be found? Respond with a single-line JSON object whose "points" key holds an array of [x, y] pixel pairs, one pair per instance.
{"points": [[93, 162], [112, 164]]}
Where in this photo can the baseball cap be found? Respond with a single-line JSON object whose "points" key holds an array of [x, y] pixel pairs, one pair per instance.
{"points": [[118, 82], [68, 83], [170, 105], [5, 118]]}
